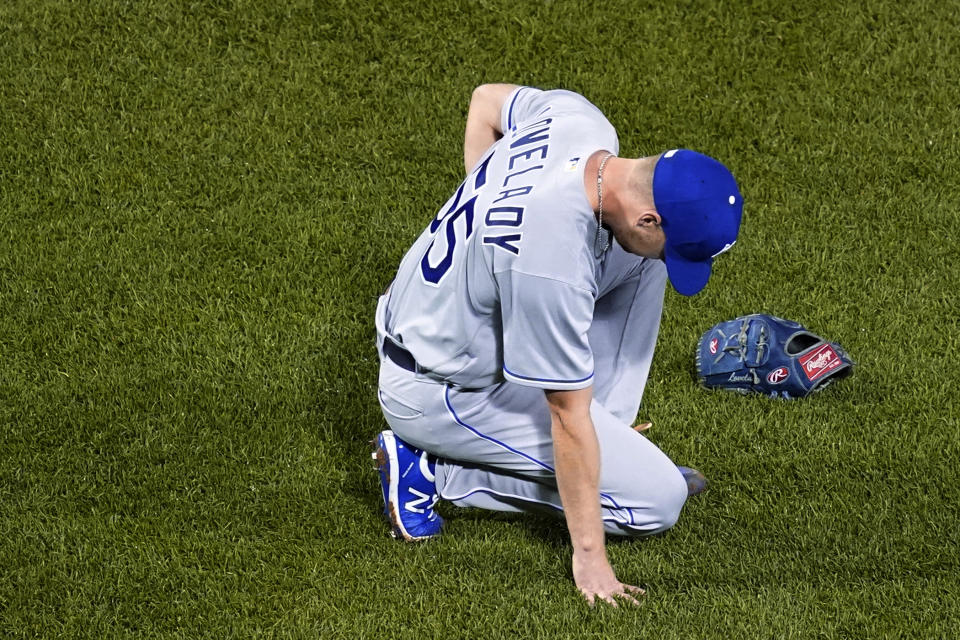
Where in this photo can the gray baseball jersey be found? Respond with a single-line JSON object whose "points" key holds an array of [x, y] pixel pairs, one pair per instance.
{"points": [[502, 283]]}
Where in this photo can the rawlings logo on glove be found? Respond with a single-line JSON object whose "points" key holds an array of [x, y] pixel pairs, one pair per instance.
{"points": [[766, 354]]}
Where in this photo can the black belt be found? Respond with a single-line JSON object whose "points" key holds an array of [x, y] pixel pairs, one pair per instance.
{"points": [[405, 360], [400, 356]]}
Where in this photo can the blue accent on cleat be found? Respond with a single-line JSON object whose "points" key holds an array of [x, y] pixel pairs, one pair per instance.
{"points": [[409, 488], [696, 481]]}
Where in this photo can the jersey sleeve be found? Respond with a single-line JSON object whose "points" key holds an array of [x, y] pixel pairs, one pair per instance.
{"points": [[527, 104], [545, 324], [522, 105]]}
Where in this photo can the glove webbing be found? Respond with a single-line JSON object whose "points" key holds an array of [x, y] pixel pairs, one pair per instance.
{"points": [[740, 349]]}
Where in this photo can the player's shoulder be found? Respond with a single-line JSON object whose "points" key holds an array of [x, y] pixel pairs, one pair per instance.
{"points": [[564, 100], [528, 104]]}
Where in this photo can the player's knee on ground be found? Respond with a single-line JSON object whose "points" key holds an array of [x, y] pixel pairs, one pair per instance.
{"points": [[662, 502], [673, 499]]}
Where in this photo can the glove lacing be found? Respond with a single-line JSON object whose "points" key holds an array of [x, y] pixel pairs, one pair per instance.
{"points": [[740, 348]]}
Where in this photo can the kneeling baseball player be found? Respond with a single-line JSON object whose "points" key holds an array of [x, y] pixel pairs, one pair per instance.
{"points": [[517, 336]]}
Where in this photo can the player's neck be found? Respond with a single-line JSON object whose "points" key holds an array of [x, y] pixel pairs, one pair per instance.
{"points": [[615, 184]]}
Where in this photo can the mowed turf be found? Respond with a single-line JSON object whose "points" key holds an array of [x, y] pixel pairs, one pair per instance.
{"points": [[200, 203]]}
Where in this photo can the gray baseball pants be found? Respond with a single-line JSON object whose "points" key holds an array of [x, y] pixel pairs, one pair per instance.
{"points": [[494, 446]]}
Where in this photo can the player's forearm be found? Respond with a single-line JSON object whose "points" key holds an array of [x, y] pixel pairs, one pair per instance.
{"points": [[483, 121], [577, 462]]}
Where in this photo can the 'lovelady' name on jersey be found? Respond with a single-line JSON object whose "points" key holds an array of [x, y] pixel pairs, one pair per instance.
{"points": [[530, 151]]}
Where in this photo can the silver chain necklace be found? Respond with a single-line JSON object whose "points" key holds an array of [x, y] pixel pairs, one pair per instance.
{"points": [[598, 249]]}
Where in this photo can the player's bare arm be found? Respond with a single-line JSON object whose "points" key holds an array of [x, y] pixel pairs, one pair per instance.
{"points": [[577, 462], [483, 121]]}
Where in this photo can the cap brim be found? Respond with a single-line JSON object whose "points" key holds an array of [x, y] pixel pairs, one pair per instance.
{"points": [[686, 276]]}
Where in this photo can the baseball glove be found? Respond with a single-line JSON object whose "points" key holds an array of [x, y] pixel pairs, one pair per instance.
{"points": [[766, 354]]}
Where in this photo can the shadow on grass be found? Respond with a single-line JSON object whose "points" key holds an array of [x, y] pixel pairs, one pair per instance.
{"points": [[544, 528]]}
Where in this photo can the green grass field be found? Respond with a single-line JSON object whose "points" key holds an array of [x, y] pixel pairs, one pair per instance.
{"points": [[201, 201]]}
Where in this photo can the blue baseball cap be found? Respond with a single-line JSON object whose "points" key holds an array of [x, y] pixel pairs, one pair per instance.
{"points": [[700, 208]]}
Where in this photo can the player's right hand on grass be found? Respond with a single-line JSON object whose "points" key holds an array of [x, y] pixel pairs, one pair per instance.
{"points": [[595, 579]]}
